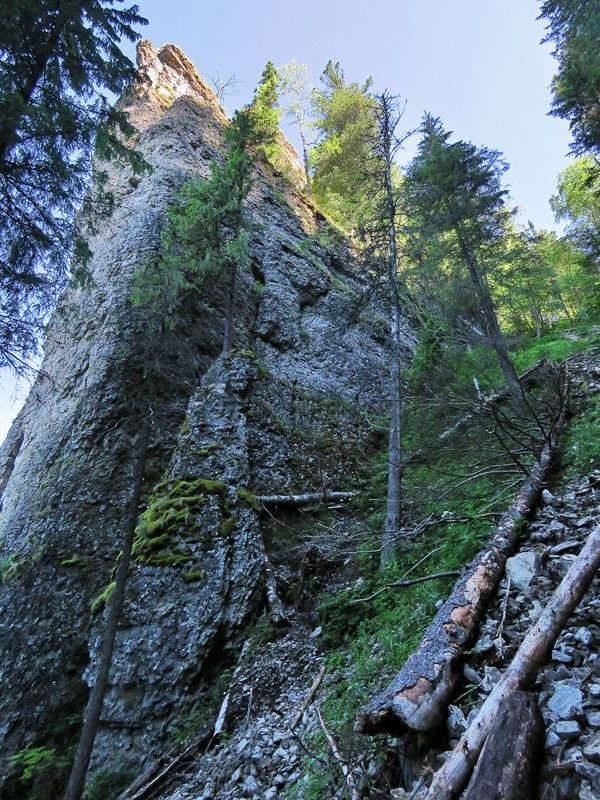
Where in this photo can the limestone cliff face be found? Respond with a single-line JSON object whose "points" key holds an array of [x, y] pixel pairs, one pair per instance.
{"points": [[282, 412]]}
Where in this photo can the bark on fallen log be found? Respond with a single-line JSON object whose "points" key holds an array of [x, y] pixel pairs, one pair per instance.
{"points": [[509, 760], [303, 499], [276, 609], [449, 781], [418, 696]]}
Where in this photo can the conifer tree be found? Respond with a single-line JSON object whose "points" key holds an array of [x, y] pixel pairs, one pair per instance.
{"points": [[574, 28], [57, 62], [206, 237], [345, 118], [383, 244], [454, 188]]}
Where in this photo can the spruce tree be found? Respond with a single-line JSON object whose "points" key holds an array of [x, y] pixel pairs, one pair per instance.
{"points": [[58, 62], [574, 28], [206, 237], [454, 190]]}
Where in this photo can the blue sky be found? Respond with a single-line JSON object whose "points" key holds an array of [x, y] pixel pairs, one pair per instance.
{"points": [[478, 64]]}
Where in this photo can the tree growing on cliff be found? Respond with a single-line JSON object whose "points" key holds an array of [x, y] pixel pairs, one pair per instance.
{"points": [[453, 191], [206, 237], [57, 62], [297, 95]]}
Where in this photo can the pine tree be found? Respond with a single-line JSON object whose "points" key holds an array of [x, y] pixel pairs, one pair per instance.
{"points": [[455, 189], [57, 62]]}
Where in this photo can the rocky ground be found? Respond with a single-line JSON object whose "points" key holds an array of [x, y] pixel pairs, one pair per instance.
{"points": [[568, 686], [263, 758]]}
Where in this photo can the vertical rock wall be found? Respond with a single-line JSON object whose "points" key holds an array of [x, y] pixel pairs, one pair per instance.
{"points": [[282, 412]]}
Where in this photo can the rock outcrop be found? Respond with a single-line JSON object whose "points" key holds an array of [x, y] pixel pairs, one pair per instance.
{"points": [[284, 411]]}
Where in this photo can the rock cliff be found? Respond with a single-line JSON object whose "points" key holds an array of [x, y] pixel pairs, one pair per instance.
{"points": [[284, 411]]}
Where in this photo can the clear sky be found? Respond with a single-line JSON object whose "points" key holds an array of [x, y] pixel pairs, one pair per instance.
{"points": [[478, 64]]}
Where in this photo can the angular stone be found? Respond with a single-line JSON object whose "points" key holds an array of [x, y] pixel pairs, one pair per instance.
{"points": [[566, 700], [593, 718], [567, 729], [591, 749], [523, 568], [584, 636]]}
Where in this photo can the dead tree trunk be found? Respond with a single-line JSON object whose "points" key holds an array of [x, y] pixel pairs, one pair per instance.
{"points": [[276, 609], [393, 512], [297, 500], [417, 697], [96, 699], [449, 781], [509, 760]]}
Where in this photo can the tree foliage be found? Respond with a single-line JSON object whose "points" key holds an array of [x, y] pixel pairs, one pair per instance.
{"points": [[296, 105], [577, 202], [453, 192], [574, 28], [346, 121], [58, 61], [206, 237]]}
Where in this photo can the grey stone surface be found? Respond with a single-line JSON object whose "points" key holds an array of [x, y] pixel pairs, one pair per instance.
{"points": [[523, 568], [289, 411], [566, 700]]}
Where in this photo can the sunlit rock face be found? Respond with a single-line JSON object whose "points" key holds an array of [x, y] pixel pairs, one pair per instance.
{"points": [[284, 411]]}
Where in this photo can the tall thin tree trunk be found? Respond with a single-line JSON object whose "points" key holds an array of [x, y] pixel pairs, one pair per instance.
{"points": [[491, 321], [229, 310], [94, 707], [305, 159], [393, 513]]}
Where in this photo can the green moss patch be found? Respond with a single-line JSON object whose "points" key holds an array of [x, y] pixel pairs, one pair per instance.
{"points": [[246, 496], [194, 575], [103, 598]]}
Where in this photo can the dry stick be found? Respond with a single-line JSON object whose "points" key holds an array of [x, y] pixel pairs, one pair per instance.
{"points": [[498, 640], [406, 574], [453, 776], [347, 771], [309, 697], [417, 697]]}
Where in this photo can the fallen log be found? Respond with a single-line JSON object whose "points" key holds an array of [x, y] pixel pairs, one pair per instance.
{"points": [[507, 767], [165, 770], [449, 781], [297, 500], [418, 696], [276, 609]]}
